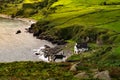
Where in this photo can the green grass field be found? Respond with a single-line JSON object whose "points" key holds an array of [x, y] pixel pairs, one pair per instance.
{"points": [[31, 1], [35, 71], [71, 20]]}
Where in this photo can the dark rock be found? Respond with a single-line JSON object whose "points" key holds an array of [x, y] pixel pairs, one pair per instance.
{"points": [[37, 33], [27, 29], [19, 31], [37, 54], [46, 46], [54, 41], [30, 30], [49, 39], [61, 42]]}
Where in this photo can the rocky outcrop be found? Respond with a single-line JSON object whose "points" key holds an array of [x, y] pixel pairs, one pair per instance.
{"points": [[74, 67], [82, 75], [40, 35], [52, 39], [104, 75], [94, 71]]}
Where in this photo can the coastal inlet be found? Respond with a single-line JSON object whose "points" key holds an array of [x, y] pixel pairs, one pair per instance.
{"points": [[18, 47]]}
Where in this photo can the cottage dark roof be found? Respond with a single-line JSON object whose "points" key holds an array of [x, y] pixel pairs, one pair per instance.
{"points": [[82, 45]]}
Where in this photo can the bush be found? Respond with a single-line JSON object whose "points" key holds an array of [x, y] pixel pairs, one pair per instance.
{"points": [[115, 72]]}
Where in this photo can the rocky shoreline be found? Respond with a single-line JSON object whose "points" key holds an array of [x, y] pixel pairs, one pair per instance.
{"points": [[52, 40], [18, 47], [38, 35], [30, 22]]}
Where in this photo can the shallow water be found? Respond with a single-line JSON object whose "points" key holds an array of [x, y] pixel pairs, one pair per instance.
{"points": [[17, 47]]}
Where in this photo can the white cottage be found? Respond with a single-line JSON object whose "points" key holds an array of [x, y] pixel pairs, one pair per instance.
{"points": [[80, 47]]}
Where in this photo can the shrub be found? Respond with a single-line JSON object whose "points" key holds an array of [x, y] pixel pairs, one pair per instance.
{"points": [[115, 72]]}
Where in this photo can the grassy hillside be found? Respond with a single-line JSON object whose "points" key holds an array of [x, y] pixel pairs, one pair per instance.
{"points": [[35, 71], [95, 18], [72, 21], [76, 19], [31, 1]]}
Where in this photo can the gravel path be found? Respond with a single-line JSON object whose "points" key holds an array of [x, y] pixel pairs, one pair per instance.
{"points": [[17, 47]]}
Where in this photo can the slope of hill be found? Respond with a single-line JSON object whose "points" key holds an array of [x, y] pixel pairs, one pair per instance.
{"points": [[73, 21], [96, 16], [31, 1]]}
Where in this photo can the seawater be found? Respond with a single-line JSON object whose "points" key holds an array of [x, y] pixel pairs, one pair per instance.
{"points": [[18, 47]]}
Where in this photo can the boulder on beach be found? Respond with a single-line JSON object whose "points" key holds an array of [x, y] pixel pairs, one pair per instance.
{"points": [[18, 31]]}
